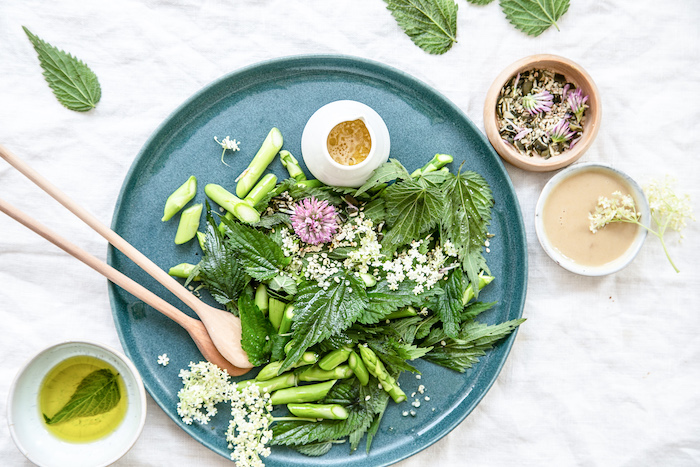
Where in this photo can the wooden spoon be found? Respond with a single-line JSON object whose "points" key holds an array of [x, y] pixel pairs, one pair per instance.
{"points": [[223, 327], [194, 327]]}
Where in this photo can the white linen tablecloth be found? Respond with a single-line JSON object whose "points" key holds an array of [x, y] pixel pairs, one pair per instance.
{"points": [[605, 372]]}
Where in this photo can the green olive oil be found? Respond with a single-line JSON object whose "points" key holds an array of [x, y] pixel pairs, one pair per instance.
{"points": [[58, 389]]}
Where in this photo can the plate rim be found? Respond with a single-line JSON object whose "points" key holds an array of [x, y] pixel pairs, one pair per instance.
{"points": [[452, 420]]}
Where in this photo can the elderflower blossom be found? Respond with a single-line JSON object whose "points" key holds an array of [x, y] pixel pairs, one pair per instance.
{"points": [[249, 431], [321, 268], [163, 359], [668, 211], [205, 385], [425, 269], [667, 208], [227, 143]]}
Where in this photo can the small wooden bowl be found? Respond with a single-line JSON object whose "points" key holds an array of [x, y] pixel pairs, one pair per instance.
{"points": [[573, 73]]}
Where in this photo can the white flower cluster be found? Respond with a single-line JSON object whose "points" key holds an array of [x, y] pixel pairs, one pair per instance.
{"points": [[620, 207], [248, 432], [667, 207], [163, 359], [290, 242], [360, 232], [228, 143], [205, 385], [321, 268], [425, 269]]}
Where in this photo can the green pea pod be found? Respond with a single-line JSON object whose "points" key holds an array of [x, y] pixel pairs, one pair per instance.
{"points": [[189, 223], [180, 198]]}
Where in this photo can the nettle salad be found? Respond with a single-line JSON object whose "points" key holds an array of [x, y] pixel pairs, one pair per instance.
{"points": [[338, 290]]}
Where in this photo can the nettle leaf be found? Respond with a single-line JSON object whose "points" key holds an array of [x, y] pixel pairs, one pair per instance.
{"points": [[323, 312], [413, 208], [220, 270], [387, 172], [467, 216], [97, 393], [479, 2], [533, 17], [383, 300], [448, 307], [256, 331], [430, 24], [472, 342], [262, 258], [73, 83]]}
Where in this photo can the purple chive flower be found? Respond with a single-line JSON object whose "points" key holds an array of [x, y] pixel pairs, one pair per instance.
{"points": [[314, 221], [577, 103], [561, 132], [522, 133], [537, 103]]}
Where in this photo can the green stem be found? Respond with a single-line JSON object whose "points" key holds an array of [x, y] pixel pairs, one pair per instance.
{"points": [[325, 411], [267, 152], [189, 223], [315, 373], [179, 198], [262, 188], [334, 358], [308, 393], [292, 165]]}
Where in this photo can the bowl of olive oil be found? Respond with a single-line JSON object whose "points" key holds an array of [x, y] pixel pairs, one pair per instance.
{"points": [[76, 404]]}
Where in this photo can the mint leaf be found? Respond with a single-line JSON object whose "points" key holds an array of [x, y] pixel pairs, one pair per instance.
{"points": [[220, 270], [72, 82], [430, 24], [533, 17], [413, 208], [467, 216], [261, 257], [97, 393], [322, 312], [473, 341], [387, 172], [256, 331]]}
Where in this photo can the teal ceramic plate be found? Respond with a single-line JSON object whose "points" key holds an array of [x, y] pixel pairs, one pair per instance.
{"points": [[285, 93]]}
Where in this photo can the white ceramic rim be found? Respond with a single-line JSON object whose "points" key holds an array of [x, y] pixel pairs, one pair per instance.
{"points": [[120, 356], [618, 263]]}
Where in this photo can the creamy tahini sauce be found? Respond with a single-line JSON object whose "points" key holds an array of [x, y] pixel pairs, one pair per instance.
{"points": [[566, 224]]}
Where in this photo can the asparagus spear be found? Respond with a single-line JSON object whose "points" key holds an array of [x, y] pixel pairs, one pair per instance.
{"points": [[189, 223], [276, 312], [267, 152], [262, 299], [263, 187], [179, 198], [292, 165], [325, 411], [315, 373], [232, 203], [469, 291], [183, 270], [377, 368], [271, 370], [403, 313], [307, 393], [286, 322], [437, 162], [334, 358], [285, 380], [358, 367]]}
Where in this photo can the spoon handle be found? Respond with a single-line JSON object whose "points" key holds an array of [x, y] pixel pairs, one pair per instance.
{"points": [[193, 327], [112, 237]]}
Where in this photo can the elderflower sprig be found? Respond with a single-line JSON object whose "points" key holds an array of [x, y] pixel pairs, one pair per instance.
{"points": [[668, 211], [227, 143]]}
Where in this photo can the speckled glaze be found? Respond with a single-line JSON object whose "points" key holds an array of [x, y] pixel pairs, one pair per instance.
{"points": [[285, 93]]}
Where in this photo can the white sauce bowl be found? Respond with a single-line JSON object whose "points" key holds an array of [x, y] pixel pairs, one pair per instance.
{"points": [[567, 263], [43, 448], [315, 151]]}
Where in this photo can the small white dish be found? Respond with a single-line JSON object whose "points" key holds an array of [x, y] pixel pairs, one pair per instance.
{"points": [[614, 265], [43, 448], [315, 151]]}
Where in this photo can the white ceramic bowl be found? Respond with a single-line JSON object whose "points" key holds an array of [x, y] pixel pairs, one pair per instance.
{"points": [[615, 265], [315, 151], [43, 448]]}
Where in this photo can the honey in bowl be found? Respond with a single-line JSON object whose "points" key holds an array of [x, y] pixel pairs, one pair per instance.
{"points": [[82, 399], [349, 143], [566, 223]]}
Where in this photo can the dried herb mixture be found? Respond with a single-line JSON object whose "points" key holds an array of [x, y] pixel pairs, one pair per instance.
{"points": [[540, 113]]}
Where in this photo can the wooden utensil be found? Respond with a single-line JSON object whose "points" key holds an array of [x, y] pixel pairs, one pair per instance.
{"points": [[223, 328], [194, 327]]}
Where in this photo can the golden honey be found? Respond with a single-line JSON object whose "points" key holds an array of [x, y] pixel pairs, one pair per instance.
{"points": [[349, 143]]}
